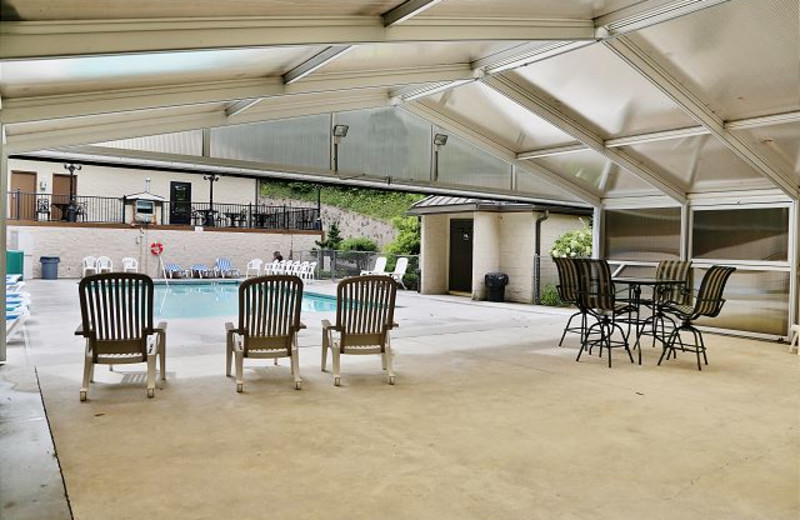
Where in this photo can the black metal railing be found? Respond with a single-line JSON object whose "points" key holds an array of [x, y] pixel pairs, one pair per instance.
{"points": [[118, 210]]}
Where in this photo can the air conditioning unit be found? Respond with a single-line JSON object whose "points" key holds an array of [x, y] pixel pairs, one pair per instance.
{"points": [[145, 211]]}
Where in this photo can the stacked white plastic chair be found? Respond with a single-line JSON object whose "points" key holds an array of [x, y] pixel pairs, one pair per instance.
{"points": [[104, 265], [254, 268], [88, 266], [130, 265]]}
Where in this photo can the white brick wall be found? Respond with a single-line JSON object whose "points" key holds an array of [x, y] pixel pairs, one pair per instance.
{"points": [[517, 246], [71, 244], [485, 250], [434, 249], [106, 181]]}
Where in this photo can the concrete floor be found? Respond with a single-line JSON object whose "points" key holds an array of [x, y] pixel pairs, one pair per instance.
{"points": [[489, 419]]}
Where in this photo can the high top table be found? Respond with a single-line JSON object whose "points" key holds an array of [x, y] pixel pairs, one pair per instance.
{"points": [[636, 283]]}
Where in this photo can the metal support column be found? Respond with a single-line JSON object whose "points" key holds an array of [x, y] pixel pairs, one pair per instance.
{"points": [[794, 255], [598, 233], [3, 224]]}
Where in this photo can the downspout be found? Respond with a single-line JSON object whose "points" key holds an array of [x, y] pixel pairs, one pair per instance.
{"points": [[537, 260]]}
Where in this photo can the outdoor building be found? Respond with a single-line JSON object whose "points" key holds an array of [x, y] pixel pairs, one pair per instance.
{"points": [[464, 239], [163, 173]]}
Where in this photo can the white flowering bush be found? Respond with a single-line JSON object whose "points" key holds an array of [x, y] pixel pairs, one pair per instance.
{"points": [[576, 243]]}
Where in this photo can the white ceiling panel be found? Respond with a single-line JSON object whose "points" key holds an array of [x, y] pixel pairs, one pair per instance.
{"points": [[606, 91], [502, 119], [583, 9], [780, 144], [70, 75], [741, 57], [703, 163], [125, 9], [398, 55]]}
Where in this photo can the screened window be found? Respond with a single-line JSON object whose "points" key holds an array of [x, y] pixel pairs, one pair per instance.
{"points": [[643, 234], [742, 234]]}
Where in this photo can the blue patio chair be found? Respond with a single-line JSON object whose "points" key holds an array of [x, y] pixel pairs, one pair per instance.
{"points": [[225, 268], [173, 271], [201, 271]]}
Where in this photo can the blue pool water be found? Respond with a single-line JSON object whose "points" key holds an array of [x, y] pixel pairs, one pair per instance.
{"points": [[211, 299]]}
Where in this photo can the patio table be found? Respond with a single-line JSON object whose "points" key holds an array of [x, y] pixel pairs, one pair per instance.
{"points": [[236, 218], [635, 283]]}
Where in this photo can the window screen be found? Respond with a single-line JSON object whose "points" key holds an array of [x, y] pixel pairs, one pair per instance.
{"points": [[741, 234], [643, 234]]}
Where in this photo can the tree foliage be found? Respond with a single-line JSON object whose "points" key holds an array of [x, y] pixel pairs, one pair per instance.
{"points": [[407, 241], [358, 244], [333, 238]]}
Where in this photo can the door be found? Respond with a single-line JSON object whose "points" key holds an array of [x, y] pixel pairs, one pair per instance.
{"points": [[61, 194], [22, 201], [461, 255], [180, 202]]}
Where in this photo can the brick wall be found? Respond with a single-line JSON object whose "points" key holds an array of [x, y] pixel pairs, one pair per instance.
{"points": [[434, 253], [183, 247], [485, 250]]}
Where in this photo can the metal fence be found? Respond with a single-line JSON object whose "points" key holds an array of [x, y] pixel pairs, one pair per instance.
{"points": [[335, 265], [117, 210]]}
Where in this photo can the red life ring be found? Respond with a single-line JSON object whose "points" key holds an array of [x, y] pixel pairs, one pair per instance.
{"points": [[156, 248]]}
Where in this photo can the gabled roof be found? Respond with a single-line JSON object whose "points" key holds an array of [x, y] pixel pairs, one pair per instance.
{"points": [[436, 204], [146, 195]]}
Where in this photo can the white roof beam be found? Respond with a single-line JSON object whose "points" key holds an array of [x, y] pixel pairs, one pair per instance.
{"points": [[541, 105], [91, 130], [316, 62], [647, 13], [665, 135], [406, 11], [485, 143], [38, 108], [651, 70], [49, 39]]}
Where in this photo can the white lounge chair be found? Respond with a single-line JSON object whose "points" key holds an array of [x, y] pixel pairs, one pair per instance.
{"points": [[379, 269], [104, 265], [399, 272], [14, 318], [254, 266], [308, 271], [130, 265], [88, 266]]}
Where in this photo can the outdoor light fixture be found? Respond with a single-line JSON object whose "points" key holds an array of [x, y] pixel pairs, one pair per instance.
{"points": [[339, 131], [439, 140]]}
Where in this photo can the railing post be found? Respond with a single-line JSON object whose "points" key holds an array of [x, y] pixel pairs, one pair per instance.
{"points": [[250, 215], [162, 213], [124, 204], [285, 218], [18, 203]]}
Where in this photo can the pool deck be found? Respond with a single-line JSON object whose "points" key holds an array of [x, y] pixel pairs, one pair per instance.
{"points": [[488, 419]]}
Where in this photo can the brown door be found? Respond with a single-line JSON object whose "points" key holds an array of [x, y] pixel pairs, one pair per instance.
{"points": [[461, 255], [23, 196], [61, 194]]}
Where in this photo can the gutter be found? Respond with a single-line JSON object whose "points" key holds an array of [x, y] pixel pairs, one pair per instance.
{"points": [[537, 260]]}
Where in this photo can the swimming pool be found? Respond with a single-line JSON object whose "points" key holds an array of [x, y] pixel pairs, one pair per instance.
{"points": [[210, 299]]}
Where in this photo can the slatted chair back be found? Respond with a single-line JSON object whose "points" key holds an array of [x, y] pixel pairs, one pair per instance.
{"points": [[89, 261], [596, 287], [709, 299], [269, 311], [104, 262], [223, 264], [117, 313], [380, 265], [674, 270], [401, 266], [568, 283], [365, 310]]}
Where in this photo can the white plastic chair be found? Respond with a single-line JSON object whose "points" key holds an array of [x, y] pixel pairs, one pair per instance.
{"points": [[254, 266], [379, 269], [308, 274], [793, 344], [104, 265], [130, 265], [399, 272], [89, 266]]}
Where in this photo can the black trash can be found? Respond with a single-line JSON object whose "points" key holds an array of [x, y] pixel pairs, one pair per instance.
{"points": [[496, 286], [50, 267]]}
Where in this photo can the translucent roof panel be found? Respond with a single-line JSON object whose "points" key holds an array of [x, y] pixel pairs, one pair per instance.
{"points": [[702, 163], [740, 57], [396, 55], [591, 170], [779, 144], [184, 143], [583, 9], [498, 117], [68, 75], [532, 185], [603, 89], [461, 163], [122, 9]]}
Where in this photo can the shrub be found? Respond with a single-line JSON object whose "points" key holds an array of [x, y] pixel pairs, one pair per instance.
{"points": [[574, 244], [358, 244], [550, 296], [333, 239], [407, 241]]}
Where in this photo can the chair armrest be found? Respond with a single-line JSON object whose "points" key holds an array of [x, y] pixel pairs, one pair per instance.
{"points": [[326, 326], [230, 328], [161, 327], [394, 325], [301, 326], [79, 330]]}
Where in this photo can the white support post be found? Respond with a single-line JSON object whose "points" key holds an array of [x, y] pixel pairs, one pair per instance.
{"points": [[685, 232], [3, 226], [598, 233], [794, 255]]}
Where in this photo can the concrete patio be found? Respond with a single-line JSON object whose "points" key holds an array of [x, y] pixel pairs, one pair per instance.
{"points": [[489, 419]]}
